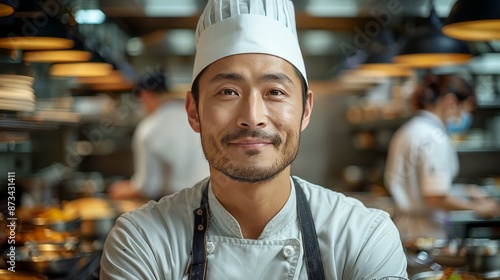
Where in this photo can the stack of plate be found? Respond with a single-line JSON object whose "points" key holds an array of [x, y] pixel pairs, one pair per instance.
{"points": [[16, 92]]}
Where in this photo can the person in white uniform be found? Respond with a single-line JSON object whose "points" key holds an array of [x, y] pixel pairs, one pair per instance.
{"points": [[167, 153], [251, 219], [422, 161]]}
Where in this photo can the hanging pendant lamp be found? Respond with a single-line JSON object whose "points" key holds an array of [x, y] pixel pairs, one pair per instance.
{"points": [[474, 20], [380, 60], [95, 67], [429, 47], [40, 32], [77, 53], [7, 7], [115, 81]]}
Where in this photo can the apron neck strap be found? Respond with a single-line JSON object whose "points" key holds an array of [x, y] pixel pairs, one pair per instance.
{"points": [[314, 264]]}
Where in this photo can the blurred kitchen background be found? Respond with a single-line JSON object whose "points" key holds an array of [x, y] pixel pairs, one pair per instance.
{"points": [[67, 115], [68, 125]]}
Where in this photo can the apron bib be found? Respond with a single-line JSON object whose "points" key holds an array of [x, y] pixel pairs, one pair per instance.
{"points": [[252, 259], [275, 258]]}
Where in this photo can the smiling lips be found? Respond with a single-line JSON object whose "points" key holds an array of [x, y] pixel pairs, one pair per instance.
{"points": [[251, 142], [251, 139]]}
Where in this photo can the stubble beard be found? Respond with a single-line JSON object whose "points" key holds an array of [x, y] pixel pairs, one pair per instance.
{"points": [[217, 158]]}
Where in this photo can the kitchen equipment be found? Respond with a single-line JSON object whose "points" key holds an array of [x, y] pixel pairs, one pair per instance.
{"points": [[422, 258], [5, 274], [60, 226], [16, 92], [447, 259], [83, 184], [96, 228], [49, 224], [15, 150], [483, 256], [50, 259], [448, 253], [44, 235], [40, 192], [41, 188], [90, 263], [437, 275], [98, 216]]}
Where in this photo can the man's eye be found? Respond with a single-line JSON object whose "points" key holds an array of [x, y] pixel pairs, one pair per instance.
{"points": [[229, 92], [275, 92]]}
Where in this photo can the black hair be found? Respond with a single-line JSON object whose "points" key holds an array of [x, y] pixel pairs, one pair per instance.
{"points": [[155, 82], [434, 87]]}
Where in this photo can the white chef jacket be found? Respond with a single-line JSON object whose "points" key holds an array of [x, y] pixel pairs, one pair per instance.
{"points": [[155, 241], [421, 161], [165, 143]]}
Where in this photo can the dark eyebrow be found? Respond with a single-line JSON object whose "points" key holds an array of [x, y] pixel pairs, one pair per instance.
{"points": [[276, 77], [264, 78], [227, 76]]}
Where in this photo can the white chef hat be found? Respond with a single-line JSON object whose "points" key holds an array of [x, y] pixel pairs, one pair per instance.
{"points": [[229, 27]]}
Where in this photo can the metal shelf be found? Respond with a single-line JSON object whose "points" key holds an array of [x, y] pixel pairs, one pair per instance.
{"points": [[22, 125], [493, 104]]}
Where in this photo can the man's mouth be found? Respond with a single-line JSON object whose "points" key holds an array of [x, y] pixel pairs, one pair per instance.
{"points": [[252, 138], [252, 141]]}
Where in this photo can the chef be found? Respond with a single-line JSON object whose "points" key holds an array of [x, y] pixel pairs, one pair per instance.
{"points": [[251, 219], [422, 161], [166, 151]]}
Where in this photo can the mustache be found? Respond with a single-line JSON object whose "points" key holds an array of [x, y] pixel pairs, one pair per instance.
{"points": [[275, 139]]}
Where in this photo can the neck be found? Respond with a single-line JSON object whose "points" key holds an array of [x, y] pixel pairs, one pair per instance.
{"points": [[253, 205]]}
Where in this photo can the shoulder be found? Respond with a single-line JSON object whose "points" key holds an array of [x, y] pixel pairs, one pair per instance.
{"points": [[171, 215], [413, 127], [145, 125], [171, 207], [358, 238], [152, 240], [332, 205], [328, 197], [418, 131]]}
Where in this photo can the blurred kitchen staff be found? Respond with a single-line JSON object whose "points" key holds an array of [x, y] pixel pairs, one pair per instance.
{"points": [[167, 152], [251, 219], [422, 161]]}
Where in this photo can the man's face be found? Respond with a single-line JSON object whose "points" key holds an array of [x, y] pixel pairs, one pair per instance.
{"points": [[249, 115]]}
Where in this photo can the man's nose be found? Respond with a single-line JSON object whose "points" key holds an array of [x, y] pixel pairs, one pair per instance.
{"points": [[252, 112]]}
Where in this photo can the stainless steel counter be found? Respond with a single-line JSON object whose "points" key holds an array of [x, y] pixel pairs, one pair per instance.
{"points": [[466, 224]]}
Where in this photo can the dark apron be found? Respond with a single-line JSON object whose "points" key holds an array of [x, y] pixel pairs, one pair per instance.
{"points": [[312, 254]]}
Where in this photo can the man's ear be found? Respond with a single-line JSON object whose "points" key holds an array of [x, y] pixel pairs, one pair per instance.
{"points": [[192, 112], [307, 110]]}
